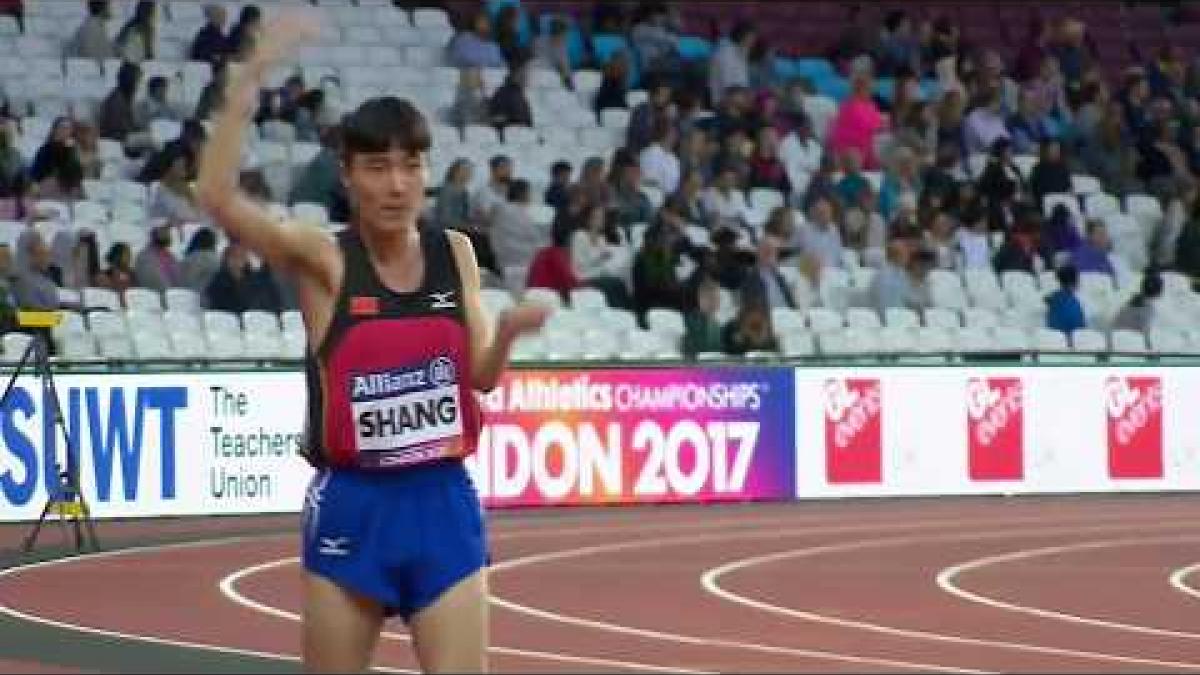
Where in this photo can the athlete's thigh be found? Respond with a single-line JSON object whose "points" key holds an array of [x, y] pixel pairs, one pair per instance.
{"points": [[340, 627], [451, 635]]}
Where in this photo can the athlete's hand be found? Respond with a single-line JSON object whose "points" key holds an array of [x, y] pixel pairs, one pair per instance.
{"points": [[280, 37], [526, 317]]}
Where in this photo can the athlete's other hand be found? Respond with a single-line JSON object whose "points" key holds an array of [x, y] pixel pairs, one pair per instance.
{"points": [[282, 35], [526, 317]]}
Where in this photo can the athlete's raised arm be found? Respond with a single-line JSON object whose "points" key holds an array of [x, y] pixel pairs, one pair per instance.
{"points": [[291, 247]]}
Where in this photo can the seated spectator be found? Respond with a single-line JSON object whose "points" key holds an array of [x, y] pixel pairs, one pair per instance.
{"points": [[118, 273], [655, 39], [474, 48], [1030, 127], [853, 181], [985, 124], [1051, 174], [822, 185], [240, 285], [820, 238], [200, 261], [614, 83], [452, 208], [901, 181], [1061, 236], [560, 185], [730, 64], [857, 122], [690, 198], [509, 106], [593, 187], [1063, 311], [191, 139], [1092, 254], [801, 152], [495, 192], [702, 330], [1020, 250], [899, 47], [696, 154], [941, 239], [56, 170], [136, 40], [630, 204], [91, 38], [1000, 186], [174, 200], [1139, 313], [862, 223], [765, 285], [114, 118], [1107, 155], [766, 169], [211, 43], [600, 256], [750, 331], [551, 266], [973, 242], [1162, 161], [647, 116], [320, 181], [513, 235], [470, 100], [659, 165], [156, 266], [725, 205], [655, 281], [35, 288]]}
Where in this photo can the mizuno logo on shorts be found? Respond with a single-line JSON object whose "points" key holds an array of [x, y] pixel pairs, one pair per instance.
{"points": [[334, 546]]}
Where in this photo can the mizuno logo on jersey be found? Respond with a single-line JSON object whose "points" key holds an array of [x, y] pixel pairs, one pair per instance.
{"points": [[442, 300]]}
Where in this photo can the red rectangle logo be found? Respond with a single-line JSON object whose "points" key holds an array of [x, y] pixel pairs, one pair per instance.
{"points": [[995, 429], [853, 431], [1135, 427], [364, 305]]}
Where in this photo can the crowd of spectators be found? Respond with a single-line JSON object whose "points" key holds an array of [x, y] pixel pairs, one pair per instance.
{"points": [[732, 179]]}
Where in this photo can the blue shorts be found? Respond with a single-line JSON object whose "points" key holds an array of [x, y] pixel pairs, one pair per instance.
{"points": [[401, 538]]}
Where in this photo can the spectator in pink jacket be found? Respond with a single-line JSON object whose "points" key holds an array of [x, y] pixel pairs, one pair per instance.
{"points": [[857, 121]]}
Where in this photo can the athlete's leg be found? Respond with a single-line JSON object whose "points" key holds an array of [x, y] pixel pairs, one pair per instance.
{"points": [[340, 627], [451, 635]]}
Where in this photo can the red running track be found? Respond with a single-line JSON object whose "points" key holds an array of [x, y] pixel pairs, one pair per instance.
{"points": [[951, 585]]}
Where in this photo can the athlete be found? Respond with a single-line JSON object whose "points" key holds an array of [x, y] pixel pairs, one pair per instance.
{"points": [[397, 345]]}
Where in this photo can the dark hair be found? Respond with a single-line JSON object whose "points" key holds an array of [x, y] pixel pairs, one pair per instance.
{"points": [[1068, 276], [249, 13], [741, 30], [498, 161], [157, 82], [1152, 285], [1094, 225], [203, 240], [97, 7], [381, 124], [893, 19], [560, 167], [113, 257], [518, 190], [127, 78]]}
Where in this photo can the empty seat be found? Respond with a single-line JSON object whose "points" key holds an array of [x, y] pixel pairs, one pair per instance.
{"points": [[1088, 340]]}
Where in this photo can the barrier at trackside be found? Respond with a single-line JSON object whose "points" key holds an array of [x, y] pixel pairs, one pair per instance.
{"points": [[194, 443]]}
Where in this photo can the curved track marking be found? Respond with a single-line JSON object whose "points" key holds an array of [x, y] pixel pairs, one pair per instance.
{"points": [[709, 581], [149, 639], [1179, 580], [228, 588], [946, 581]]}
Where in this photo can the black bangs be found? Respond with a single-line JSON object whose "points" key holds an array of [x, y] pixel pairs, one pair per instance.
{"points": [[383, 124]]}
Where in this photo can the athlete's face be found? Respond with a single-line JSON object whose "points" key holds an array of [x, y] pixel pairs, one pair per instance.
{"points": [[387, 188]]}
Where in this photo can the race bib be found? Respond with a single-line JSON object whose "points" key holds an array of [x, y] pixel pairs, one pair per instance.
{"points": [[413, 410]]}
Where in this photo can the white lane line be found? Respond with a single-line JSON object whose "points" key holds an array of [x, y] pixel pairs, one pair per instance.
{"points": [[148, 639], [228, 588], [1179, 580], [947, 581], [710, 582]]}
